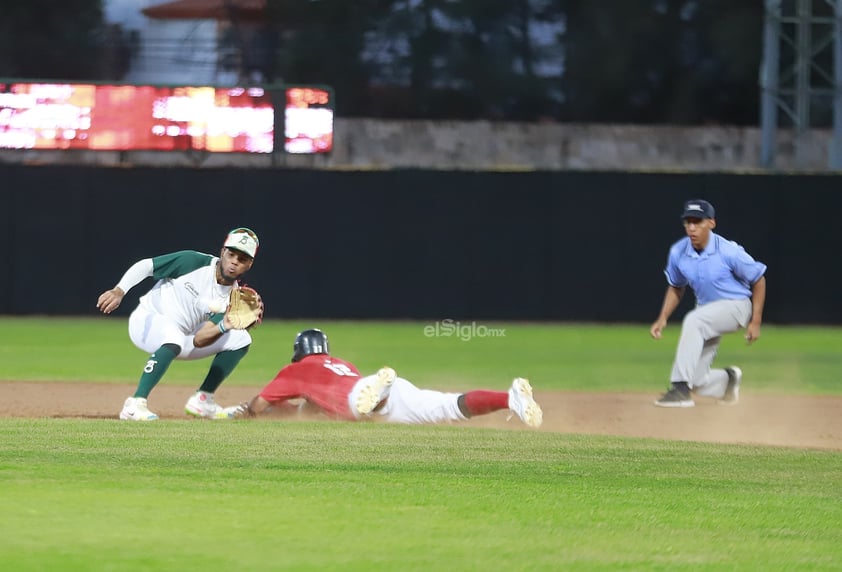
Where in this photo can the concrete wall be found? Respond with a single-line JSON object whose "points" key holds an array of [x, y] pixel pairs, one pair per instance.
{"points": [[374, 144]]}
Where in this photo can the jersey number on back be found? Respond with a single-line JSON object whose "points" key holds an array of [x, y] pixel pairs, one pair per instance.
{"points": [[339, 368]]}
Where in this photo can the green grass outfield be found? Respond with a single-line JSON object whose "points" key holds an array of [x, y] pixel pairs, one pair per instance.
{"points": [[581, 357], [188, 495]]}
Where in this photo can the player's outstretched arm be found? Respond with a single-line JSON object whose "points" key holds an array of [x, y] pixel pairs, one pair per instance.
{"points": [[110, 300], [253, 407]]}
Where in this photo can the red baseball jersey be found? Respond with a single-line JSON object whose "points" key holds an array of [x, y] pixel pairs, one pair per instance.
{"points": [[323, 380]]}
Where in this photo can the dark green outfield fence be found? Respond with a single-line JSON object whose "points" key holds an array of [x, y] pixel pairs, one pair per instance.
{"points": [[415, 244]]}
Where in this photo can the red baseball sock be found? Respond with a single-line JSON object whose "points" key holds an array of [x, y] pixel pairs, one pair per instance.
{"points": [[482, 401]]}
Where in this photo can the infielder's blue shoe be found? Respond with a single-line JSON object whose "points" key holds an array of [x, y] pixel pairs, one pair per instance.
{"points": [[732, 391]]}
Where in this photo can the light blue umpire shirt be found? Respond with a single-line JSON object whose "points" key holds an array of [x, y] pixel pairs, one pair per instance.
{"points": [[722, 271]]}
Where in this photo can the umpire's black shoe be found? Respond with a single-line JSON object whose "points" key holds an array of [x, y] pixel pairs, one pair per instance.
{"points": [[676, 397], [732, 390]]}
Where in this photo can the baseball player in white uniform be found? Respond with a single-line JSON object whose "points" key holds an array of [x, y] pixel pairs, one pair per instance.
{"points": [[183, 317], [730, 290]]}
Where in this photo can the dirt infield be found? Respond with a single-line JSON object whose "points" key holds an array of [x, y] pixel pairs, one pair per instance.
{"points": [[789, 421]]}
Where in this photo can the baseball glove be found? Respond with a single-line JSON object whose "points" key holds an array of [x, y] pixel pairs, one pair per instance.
{"points": [[245, 308]]}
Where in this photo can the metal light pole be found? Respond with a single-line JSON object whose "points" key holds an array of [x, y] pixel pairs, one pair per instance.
{"points": [[794, 76]]}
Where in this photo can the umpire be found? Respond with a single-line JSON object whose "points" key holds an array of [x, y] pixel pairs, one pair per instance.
{"points": [[730, 290]]}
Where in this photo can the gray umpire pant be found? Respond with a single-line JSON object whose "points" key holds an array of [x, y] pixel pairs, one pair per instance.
{"points": [[701, 332]]}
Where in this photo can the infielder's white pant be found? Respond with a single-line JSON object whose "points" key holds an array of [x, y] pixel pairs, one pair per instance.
{"points": [[149, 331], [701, 332], [410, 404]]}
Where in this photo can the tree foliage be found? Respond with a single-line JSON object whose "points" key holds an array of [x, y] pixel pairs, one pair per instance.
{"points": [[51, 39], [627, 61], [659, 61], [632, 61]]}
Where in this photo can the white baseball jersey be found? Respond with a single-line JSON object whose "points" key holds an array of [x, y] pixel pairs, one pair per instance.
{"points": [[187, 291], [185, 296]]}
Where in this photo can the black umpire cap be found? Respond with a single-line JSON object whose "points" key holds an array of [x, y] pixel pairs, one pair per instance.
{"points": [[698, 208]]}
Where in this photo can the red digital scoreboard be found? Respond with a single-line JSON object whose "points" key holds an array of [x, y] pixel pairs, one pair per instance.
{"points": [[133, 117], [308, 120]]}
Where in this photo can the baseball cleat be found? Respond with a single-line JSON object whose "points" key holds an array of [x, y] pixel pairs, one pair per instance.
{"points": [[523, 404], [732, 390], [676, 398], [233, 412], [374, 390], [202, 404], [136, 409]]}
